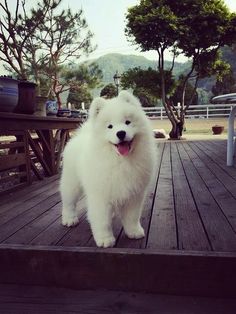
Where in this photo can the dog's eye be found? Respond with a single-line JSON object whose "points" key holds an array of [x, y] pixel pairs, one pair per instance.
{"points": [[127, 122], [110, 126]]}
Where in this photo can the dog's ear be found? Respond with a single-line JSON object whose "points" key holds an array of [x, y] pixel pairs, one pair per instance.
{"points": [[129, 98], [96, 106]]}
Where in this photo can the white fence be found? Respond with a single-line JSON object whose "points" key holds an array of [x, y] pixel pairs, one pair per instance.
{"points": [[193, 112]]}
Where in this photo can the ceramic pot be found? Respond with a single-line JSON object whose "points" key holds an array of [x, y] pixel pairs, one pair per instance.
{"points": [[75, 114], [64, 112], [27, 97], [51, 107], [8, 94], [40, 106]]}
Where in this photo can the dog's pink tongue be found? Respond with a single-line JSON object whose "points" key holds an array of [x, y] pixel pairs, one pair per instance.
{"points": [[123, 148]]}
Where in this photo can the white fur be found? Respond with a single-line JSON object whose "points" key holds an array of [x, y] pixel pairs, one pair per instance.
{"points": [[111, 182]]}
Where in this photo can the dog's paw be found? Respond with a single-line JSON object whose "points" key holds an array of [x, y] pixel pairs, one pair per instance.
{"points": [[105, 241], [135, 232], [69, 221]]}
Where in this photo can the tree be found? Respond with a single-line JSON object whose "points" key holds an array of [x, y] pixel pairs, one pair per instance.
{"points": [[225, 85], [78, 96], [79, 81], [109, 91], [16, 29], [146, 84], [191, 96], [196, 28], [40, 43], [63, 37]]}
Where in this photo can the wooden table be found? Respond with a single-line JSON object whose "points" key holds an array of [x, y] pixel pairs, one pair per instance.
{"points": [[45, 137]]}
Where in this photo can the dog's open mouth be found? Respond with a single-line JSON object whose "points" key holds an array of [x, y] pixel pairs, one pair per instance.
{"points": [[124, 148]]}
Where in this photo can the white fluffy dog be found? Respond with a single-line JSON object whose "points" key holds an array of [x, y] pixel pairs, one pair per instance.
{"points": [[111, 161]]}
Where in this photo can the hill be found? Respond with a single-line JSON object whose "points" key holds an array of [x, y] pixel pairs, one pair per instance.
{"points": [[110, 63]]}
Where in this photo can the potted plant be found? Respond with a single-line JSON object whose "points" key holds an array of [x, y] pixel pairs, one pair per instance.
{"points": [[217, 129], [17, 32]]}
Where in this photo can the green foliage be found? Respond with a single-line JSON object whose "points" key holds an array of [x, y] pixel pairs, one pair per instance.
{"points": [[37, 45], [226, 85], [204, 96], [80, 95], [196, 28], [191, 96], [109, 91], [80, 81], [152, 25], [149, 80]]}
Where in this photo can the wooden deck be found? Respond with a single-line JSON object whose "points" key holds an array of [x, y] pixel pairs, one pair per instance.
{"points": [[189, 219]]}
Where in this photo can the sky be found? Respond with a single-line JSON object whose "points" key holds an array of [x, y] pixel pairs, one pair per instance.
{"points": [[106, 19]]}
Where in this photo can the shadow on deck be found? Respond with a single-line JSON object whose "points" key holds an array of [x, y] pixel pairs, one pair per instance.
{"points": [[189, 219]]}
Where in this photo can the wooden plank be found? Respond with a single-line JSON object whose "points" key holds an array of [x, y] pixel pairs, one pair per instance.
{"points": [[123, 240], [11, 161], [43, 140], [27, 200], [35, 187], [220, 233], [9, 132], [162, 230], [39, 154], [16, 223], [224, 199], [56, 233], [12, 177], [120, 269], [49, 157], [219, 171], [31, 230], [61, 145], [19, 122], [217, 156], [80, 234], [25, 150], [17, 299], [13, 188], [11, 145], [191, 233], [36, 170]]}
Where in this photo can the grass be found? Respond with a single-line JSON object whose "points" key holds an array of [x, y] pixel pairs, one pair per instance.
{"points": [[193, 126]]}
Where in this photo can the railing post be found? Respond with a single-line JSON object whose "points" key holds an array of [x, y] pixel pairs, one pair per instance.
{"points": [[230, 141], [207, 114], [161, 114]]}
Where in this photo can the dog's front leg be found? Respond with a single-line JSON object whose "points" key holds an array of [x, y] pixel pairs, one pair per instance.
{"points": [[100, 218], [130, 217]]}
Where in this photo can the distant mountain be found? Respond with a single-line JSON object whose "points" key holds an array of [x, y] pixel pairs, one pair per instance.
{"points": [[110, 63]]}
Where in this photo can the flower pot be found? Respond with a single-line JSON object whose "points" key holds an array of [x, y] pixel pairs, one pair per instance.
{"points": [[8, 94], [217, 129], [40, 109], [27, 97], [51, 107]]}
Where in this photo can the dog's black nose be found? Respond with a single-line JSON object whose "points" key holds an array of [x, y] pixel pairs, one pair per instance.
{"points": [[121, 135]]}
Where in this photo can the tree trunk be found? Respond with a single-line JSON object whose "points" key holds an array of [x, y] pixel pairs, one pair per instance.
{"points": [[176, 131]]}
